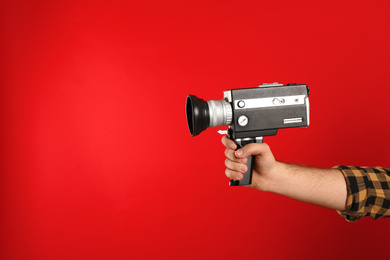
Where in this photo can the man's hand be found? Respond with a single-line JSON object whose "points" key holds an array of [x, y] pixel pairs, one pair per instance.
{"points": [[320, 186], [265, 169]]}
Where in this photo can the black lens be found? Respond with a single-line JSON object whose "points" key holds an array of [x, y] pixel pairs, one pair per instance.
{"points": [[198, 117]]}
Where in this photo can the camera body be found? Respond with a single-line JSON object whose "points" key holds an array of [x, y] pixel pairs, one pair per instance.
{"points": [[251, 114], [261, 111]]}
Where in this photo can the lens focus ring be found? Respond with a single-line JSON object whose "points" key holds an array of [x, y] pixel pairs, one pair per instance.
{"points": [[220, 112]]}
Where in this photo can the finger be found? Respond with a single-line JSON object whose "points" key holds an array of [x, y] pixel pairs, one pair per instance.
{"points": [[233, 175], [237, 167], [261, 149], [229, 143], [231, 155]]}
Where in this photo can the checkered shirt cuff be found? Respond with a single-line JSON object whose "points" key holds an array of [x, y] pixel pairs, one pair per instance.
{"points": [[368, 192]]}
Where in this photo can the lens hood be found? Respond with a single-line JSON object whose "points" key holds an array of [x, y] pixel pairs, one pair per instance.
{"points": [[197, 112]]}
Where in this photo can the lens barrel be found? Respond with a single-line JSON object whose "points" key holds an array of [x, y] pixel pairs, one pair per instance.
{"points": [[220, 112]]}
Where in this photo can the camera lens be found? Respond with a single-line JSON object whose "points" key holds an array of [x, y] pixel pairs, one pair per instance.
{"points": [[202, 114], [198, 117]]}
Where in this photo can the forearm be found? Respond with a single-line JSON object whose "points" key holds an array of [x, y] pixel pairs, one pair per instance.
{"points": [[319, 186]]}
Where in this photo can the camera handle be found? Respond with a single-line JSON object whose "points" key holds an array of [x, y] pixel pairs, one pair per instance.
{"points": [[248, 174]]}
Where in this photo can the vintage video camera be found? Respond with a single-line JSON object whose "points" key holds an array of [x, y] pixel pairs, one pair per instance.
{"points": [[251, 114]]}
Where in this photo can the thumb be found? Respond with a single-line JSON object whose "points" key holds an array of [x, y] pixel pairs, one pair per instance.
{"points": [[261, 149]]}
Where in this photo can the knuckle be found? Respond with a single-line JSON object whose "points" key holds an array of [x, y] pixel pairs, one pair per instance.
{"points": [[230, 154], [227, 173], [231, 174], [233, 166], [225, 141], [227, 162]]}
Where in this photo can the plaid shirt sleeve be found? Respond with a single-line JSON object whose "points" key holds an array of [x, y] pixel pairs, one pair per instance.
{"points": [[368, 192]]}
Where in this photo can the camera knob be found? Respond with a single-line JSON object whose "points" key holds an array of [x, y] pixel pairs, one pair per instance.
{"points": [[241, 104], [243, 120]]}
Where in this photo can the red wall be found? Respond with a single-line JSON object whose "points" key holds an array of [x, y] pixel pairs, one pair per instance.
{"points": [[96, 158]]}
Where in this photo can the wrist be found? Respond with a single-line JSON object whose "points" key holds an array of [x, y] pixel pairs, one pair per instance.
{"points": [[270, 180], [277, 177]]}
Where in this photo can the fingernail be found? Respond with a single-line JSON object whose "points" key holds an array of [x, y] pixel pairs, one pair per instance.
{"points": [[243, 168], [243, 160], [239, 176], [233, 146], [239, 152]]}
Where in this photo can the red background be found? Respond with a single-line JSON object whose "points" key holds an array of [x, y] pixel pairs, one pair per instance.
{"points": [[96, 158]]}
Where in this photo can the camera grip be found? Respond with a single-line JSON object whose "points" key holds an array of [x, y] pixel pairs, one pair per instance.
{"points": [[247, 179]]}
